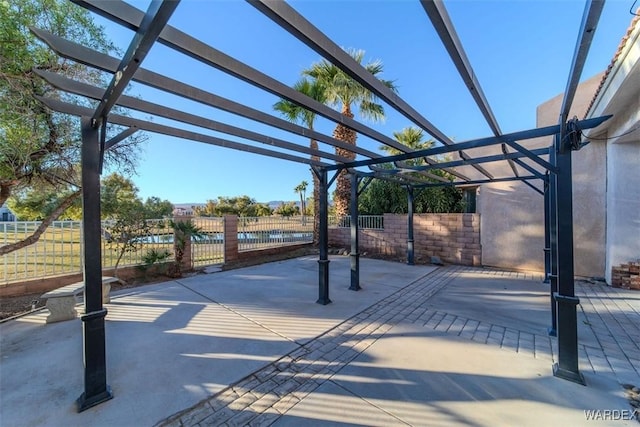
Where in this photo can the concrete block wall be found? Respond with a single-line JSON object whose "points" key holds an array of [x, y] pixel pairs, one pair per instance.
{"points": [[455, 238]]}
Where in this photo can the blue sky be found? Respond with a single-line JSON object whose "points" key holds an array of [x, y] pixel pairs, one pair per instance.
{"points": [[521, 52]]}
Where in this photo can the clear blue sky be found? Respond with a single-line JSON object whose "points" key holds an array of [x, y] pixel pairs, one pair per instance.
{"points": [[521, 52]]}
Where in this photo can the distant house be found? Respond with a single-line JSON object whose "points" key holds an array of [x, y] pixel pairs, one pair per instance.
{"points": [[182, 211], [6, 214]]}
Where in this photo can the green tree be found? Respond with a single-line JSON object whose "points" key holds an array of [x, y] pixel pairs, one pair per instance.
{"points": [[183, 232], [294, 113], [238, 205], [39, 149], [156, 208], [389, 197], [345, 93], [125, 216], [209, 209], [287, 209], [34, 204]]}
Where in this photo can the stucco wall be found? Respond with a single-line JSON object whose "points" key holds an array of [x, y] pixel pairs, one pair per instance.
{"points": [[455, 238], [623, 199], [512, 214]]}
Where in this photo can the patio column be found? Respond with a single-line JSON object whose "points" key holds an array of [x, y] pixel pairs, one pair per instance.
{"points": [[410, 259], [547, 237], [553, 246], [323, 262], [96, 389], [355, 256], [567, 324]]}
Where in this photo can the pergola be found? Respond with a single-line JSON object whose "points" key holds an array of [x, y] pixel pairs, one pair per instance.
{"points": [[551, 166]]}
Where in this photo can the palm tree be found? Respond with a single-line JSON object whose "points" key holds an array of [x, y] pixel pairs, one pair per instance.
{"points": [[297, 114], [412, 137], [302, 190], [344, 92]]}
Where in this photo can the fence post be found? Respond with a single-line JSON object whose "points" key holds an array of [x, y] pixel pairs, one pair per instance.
{"points": [[230, 238]]}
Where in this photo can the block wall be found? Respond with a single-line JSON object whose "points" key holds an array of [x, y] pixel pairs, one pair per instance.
{"points": [[455, 238]]}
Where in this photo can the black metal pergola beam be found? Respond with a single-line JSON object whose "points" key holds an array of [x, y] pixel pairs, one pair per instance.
{"points": [[152, 24], [119, 138], [485, 159], [475, 143], [477, 181], [439, 17], [105, 62], [290, 20], [590, 18], [77, 110], [130, 17], [78, 88], [403, 172]]}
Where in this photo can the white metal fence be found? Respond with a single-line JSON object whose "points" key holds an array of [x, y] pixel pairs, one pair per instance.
{"points": [[373, 222], [59, 249], [210, 249], [270, 232]]}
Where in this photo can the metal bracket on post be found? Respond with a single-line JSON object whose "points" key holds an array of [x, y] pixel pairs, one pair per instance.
{"points": [[354, 255]]}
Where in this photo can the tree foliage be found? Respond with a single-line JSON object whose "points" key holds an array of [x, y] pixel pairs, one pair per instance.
{"points": [[127, 216], [287, 209], [345, 93], [183, 232], [293, 112], [238, 205], [40, 149], [301, 189], [389, 197]]}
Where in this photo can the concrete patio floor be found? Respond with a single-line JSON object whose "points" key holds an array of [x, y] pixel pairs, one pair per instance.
{"points": [[418, 345]]}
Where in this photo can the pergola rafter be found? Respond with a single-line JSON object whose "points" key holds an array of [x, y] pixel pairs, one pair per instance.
{"points": [[550, 165]]}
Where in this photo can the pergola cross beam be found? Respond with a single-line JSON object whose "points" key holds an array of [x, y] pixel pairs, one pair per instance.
{"points": [[290, 20], [439, 17], [152, 24]]}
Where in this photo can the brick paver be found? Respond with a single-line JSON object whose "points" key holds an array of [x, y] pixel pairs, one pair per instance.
{"points": [[261, 398]]}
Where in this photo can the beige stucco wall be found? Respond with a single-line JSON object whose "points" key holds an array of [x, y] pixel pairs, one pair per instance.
{"points": [[512, 214], [620, 96]]}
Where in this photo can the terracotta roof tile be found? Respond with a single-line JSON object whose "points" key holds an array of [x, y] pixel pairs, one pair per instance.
{"points": [[623, 43]]}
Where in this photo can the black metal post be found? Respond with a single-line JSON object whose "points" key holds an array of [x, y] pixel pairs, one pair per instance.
{"points": [[410, 254], [355, 255], [96, 389], [567, 323], [547, 237], [553, 245], [323, 262]]}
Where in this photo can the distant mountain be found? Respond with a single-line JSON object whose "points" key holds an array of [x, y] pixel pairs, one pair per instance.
{"points": [[275, 203]]}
